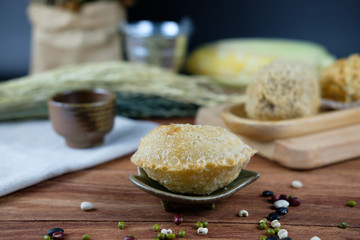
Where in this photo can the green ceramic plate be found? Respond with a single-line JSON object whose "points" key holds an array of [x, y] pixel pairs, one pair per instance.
{"points": [[171, 200]]}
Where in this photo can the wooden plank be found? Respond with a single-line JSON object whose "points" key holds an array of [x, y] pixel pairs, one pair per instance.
{"points": [[29, 213], [143, 230], [115, 197], [236, 119], [302, 152]]}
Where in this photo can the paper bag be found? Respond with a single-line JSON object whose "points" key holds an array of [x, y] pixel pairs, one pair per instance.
{"points": [[62, 37]]}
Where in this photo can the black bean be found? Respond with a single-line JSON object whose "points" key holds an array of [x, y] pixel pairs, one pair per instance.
{"points": [[274, 216], [282, 210], [267, 193], [272, 238]]}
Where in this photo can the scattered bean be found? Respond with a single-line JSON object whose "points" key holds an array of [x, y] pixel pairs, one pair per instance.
{"points": [[46, 237], [51, 231], [178, 219], [170, 236], [275, 223], [274, 198], [199, 224], [296, 184], [182, 233], [262, 225], [315, 238], [263, 237], [282, 210], [277, 229], [267, 193], [281, 203], [164, 231], [343, 225], [243, 213], [212, 206], [86, 206], [202, 231], [294, 201], [284, 197], [274, 216], [283, 233], [272, 238], [160, 235], [263, 220], [57, 236], [129, 238], [351, 203], [205, 224], [121, 225], [86, 237], [156, 227], [270, 232]]}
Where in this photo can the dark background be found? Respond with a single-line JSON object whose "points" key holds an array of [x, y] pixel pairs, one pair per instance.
{"points": [[332, 23]]}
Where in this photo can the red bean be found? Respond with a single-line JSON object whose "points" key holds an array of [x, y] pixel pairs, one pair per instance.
{"points": [[129, 238], [57, 236], [284, 197], [178, 219], [294, 201], [274, 198]]}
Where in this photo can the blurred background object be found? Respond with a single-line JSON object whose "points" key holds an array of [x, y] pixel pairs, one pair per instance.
{"points": [[66, 32], [331, 23], [163, 44], [233, 62]]}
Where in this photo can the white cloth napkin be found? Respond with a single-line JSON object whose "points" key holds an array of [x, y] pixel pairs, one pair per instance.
{"points": [[31, 151]]}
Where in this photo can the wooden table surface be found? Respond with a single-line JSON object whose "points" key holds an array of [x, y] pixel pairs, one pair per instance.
{"points": [[29, 213]]}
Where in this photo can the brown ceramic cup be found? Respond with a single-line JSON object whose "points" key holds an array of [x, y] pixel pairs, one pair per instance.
{"points": [[82, 117]]}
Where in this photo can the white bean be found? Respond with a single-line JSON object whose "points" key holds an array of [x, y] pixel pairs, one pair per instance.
{"points": [[275, 223], [281, 203], [283, 233], [243, 213], [202, 231], [86, 206], [296, 184], [315, 238]]}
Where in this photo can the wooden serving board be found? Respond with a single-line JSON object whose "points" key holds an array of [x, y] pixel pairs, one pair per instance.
{"points": [[302, 152]]}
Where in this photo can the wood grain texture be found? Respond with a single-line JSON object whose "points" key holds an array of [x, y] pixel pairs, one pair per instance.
{"points": [[236, 119], [302, 152], [29, 213]]}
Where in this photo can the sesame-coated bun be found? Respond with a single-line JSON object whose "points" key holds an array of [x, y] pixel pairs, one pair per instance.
{"points": [[194, 159]]}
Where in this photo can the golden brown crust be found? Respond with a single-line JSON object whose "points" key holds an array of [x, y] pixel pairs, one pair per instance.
{"points": [[341, 81], [192, 158]]}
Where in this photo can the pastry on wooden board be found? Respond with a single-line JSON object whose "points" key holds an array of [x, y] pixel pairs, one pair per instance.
{"points": [[341, 80], [193, 159], [283, 90]]}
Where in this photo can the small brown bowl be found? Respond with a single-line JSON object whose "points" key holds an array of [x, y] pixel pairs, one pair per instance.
{"points": [[82, 117]]}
